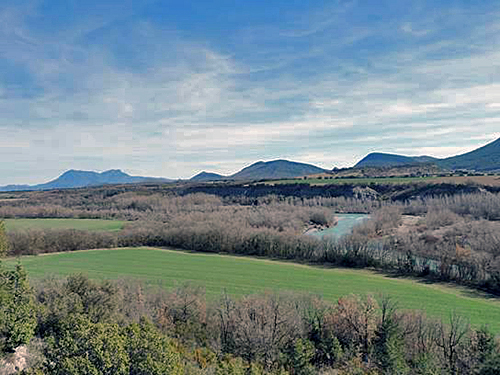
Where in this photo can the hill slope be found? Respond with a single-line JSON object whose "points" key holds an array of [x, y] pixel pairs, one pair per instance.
{"points": [[379, 159], [207, 176], [74, 179], [483, 159], [275, 169]]}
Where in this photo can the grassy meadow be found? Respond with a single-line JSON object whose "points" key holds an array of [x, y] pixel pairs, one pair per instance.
{"points": [[354, 181], [80, 224], [241, 275], [481, 180]]}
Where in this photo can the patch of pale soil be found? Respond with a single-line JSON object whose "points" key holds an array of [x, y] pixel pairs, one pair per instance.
{"points": [[408, 224], [14, 363], [313, 228]]}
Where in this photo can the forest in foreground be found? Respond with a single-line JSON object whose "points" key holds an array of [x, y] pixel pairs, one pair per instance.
{"points": [[78, 326]]}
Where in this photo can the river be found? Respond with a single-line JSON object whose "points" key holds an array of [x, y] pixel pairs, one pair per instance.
{"points": [[344, 225]]}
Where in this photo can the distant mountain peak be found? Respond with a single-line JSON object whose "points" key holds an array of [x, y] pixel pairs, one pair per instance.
{"points": [[114, 172], [275, 169], [74, 178], [207, 176], [482, 159]]}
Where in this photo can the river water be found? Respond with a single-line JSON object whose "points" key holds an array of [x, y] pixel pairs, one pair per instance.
{"points": [[344, 226]]}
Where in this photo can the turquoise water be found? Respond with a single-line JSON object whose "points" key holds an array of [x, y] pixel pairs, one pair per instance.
{"points": [[344, 226]]}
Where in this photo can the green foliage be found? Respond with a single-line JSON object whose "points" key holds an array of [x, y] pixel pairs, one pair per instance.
{"points": [[4, 242], [76, 295], [150, 352], [425, 364], [301, 356], [491, 366], [79, 346], [389, 344], [488, 357], [83, 347], [17, 309], [230, 366], [327, 348], [485, 343], [98, 299]]}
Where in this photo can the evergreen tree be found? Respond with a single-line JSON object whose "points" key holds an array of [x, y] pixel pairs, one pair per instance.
{"points": [[17, 310], [150, 352], [83, 347], [4, 242], [389, 344]]}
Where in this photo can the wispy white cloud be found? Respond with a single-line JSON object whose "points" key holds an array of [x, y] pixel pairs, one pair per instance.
{"points": [[182, 104], [408, 28]]}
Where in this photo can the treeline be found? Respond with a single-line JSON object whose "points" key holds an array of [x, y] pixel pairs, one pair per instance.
{"points": [[163, 206], [456, 238], [409, 254], [77, 326], [395, 192]]}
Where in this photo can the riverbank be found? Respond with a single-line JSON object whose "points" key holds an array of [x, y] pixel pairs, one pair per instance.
{"points": [[343, 225], [314, 228]]}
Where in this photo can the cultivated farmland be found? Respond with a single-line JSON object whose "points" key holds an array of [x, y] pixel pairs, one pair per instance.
{"points": [[242, 276]]}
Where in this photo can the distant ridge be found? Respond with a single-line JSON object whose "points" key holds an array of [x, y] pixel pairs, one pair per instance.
{"points": [[75, 179], [264, 170], [276, 169], [207, 176], [483, 159], [379, 159]]}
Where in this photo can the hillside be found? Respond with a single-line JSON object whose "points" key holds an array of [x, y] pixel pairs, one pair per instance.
{"points": [[378, 159], [403, 170], [207, 176], [75, 179], [275, 169], [483, 159]]}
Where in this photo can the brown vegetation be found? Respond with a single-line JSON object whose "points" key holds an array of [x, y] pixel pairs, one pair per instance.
{"points": [[455, 239], [270, 333]]}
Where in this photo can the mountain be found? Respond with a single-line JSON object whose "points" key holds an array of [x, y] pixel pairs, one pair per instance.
{"points": [[483, 159], [275, 169], [207, 176], [378, 159], [74, 179]]}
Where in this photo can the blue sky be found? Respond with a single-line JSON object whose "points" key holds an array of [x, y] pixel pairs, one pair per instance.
{"points": [[163, 88]]}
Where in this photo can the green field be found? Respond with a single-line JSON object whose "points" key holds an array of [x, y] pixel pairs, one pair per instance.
{"points": [[242, 275], [354, 181], [81, 224]]}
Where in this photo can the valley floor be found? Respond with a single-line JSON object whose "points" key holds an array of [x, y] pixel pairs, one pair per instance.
{"points": [[245, 275]]}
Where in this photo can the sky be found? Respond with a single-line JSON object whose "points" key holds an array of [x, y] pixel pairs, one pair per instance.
{"points": [[171, 88]]}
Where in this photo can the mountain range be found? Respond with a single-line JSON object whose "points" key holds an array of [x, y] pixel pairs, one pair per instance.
{"points": [[75, 179], [483, 159]]}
